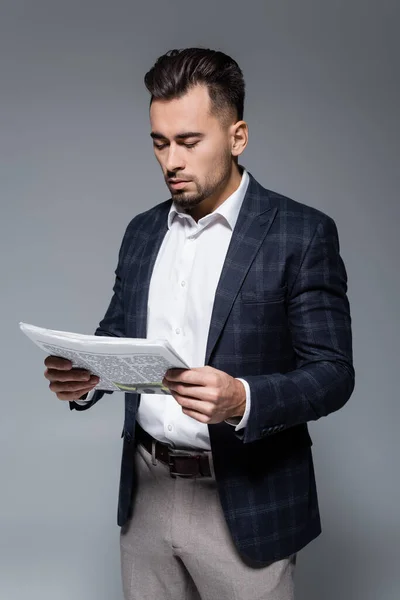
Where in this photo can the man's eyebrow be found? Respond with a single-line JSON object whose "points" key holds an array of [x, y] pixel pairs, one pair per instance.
{"points": [[180, 136]]}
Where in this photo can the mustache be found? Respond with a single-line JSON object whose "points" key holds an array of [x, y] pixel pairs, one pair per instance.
{"points": [[176, 177]]}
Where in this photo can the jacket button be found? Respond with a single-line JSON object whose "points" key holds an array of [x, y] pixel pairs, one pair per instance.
{"points": [[127, 436]]}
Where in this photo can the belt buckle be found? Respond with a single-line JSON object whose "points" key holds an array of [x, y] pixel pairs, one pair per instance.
{"points": [[172, 454]]}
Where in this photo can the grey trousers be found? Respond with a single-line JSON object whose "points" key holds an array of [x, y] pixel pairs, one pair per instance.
{"points": [[177, 545]]}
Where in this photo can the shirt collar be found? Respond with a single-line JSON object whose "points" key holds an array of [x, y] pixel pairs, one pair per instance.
{"points": [[229, 209]]}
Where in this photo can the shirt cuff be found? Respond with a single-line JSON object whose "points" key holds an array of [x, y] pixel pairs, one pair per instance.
{"points": [[241, 422], [86, 400]]}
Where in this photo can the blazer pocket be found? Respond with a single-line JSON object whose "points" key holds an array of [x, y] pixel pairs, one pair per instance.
{"points": [[263, 296]]}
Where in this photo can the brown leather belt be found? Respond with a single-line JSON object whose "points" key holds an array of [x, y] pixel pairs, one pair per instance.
{"points": [[181, 463]]}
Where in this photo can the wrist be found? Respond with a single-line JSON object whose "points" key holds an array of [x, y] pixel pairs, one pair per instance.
{"points": [[240, 404]]}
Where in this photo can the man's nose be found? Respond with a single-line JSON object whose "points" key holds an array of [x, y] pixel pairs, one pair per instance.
{"points": [[174, 160]]}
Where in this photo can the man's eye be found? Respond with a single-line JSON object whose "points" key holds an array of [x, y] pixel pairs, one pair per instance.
{"points": [[162, 146]]}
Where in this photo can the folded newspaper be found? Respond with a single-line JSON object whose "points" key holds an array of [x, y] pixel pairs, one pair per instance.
{"points": [[122, 364]]}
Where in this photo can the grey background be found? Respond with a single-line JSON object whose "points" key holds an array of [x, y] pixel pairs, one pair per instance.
{"points": [[77, 165]]}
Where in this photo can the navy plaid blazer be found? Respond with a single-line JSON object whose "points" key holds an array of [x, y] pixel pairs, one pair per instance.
{"points": [[281, 320]]}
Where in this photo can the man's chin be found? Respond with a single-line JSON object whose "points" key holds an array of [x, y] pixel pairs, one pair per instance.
{"points": [[183, 201]]}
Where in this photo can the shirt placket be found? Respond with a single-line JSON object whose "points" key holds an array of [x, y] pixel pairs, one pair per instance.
{"points": [[180, 340]]}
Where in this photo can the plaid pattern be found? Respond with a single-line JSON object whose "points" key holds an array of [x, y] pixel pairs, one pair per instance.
{"points": [[281, 320]]}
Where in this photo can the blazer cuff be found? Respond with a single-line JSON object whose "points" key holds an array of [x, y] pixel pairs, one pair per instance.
{"points": [[241, 422]]}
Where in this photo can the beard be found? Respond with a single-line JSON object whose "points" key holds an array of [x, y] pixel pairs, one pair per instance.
{"points": [[186, 201], [213, 184]]}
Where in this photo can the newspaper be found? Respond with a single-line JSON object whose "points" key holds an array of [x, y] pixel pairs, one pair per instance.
{"points": [[123, 364]]}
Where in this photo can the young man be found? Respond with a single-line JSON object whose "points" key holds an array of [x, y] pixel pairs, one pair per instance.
{"points": [[217, 492]]}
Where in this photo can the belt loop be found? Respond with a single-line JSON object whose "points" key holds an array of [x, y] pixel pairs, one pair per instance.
{"points": [[153, 452]]}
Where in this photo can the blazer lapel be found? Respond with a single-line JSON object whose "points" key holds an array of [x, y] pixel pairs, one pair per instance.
{"points": [[255, 218], [157, 231]]}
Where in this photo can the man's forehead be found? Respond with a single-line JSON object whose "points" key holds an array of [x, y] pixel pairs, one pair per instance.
{"points": [[180, 125]]}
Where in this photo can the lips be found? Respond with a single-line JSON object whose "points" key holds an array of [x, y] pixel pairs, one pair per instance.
{"points": [[178, 184]]}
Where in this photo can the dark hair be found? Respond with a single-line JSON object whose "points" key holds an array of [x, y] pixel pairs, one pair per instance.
{"points": [[177, 71]]}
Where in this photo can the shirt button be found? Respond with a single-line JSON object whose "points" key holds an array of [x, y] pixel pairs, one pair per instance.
{"points": [[177, 331], [169, 427], [183, 283]]}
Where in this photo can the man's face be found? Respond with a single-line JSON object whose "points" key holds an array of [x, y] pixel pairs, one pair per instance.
{"points": [[191, 145]]}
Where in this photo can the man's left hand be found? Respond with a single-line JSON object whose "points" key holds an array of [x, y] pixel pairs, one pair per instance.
{"points": [[206, 394]]}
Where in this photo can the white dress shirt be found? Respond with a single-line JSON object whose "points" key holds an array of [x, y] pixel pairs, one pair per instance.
{"points": [[180, 303]]}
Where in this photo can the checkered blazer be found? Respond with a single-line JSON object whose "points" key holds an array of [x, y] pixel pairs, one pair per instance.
{"points": [[280, 320]]}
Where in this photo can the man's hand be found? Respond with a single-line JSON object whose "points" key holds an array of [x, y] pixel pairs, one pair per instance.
{"points": [[68, 383], [206, 394]]}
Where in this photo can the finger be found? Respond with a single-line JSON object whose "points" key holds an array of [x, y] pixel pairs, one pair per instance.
{"points": [[196, 415], [71, 396], [186, 390], [71, 375], [193, 404], [189, 376], [175, 374], [56, 362], [72, 386], [195, 376], [203, 393]]}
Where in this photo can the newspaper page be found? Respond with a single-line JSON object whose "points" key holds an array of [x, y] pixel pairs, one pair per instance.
{"points": [[123, 364]]}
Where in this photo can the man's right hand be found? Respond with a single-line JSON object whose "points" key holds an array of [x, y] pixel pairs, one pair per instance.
{"points": [[66, 382]]}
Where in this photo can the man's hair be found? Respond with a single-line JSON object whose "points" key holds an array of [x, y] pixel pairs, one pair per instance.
{"points": [[177, 71]]}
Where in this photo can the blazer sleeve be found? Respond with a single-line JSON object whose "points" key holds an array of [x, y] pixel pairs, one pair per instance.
{"points": [[320, 325], [113, 322]]}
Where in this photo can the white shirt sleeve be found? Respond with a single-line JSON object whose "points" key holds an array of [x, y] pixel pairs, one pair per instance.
{"points": [[237, 422], [87, 399]]}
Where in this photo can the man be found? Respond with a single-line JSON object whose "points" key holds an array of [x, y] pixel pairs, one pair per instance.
{"points": [[217, 491]]}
